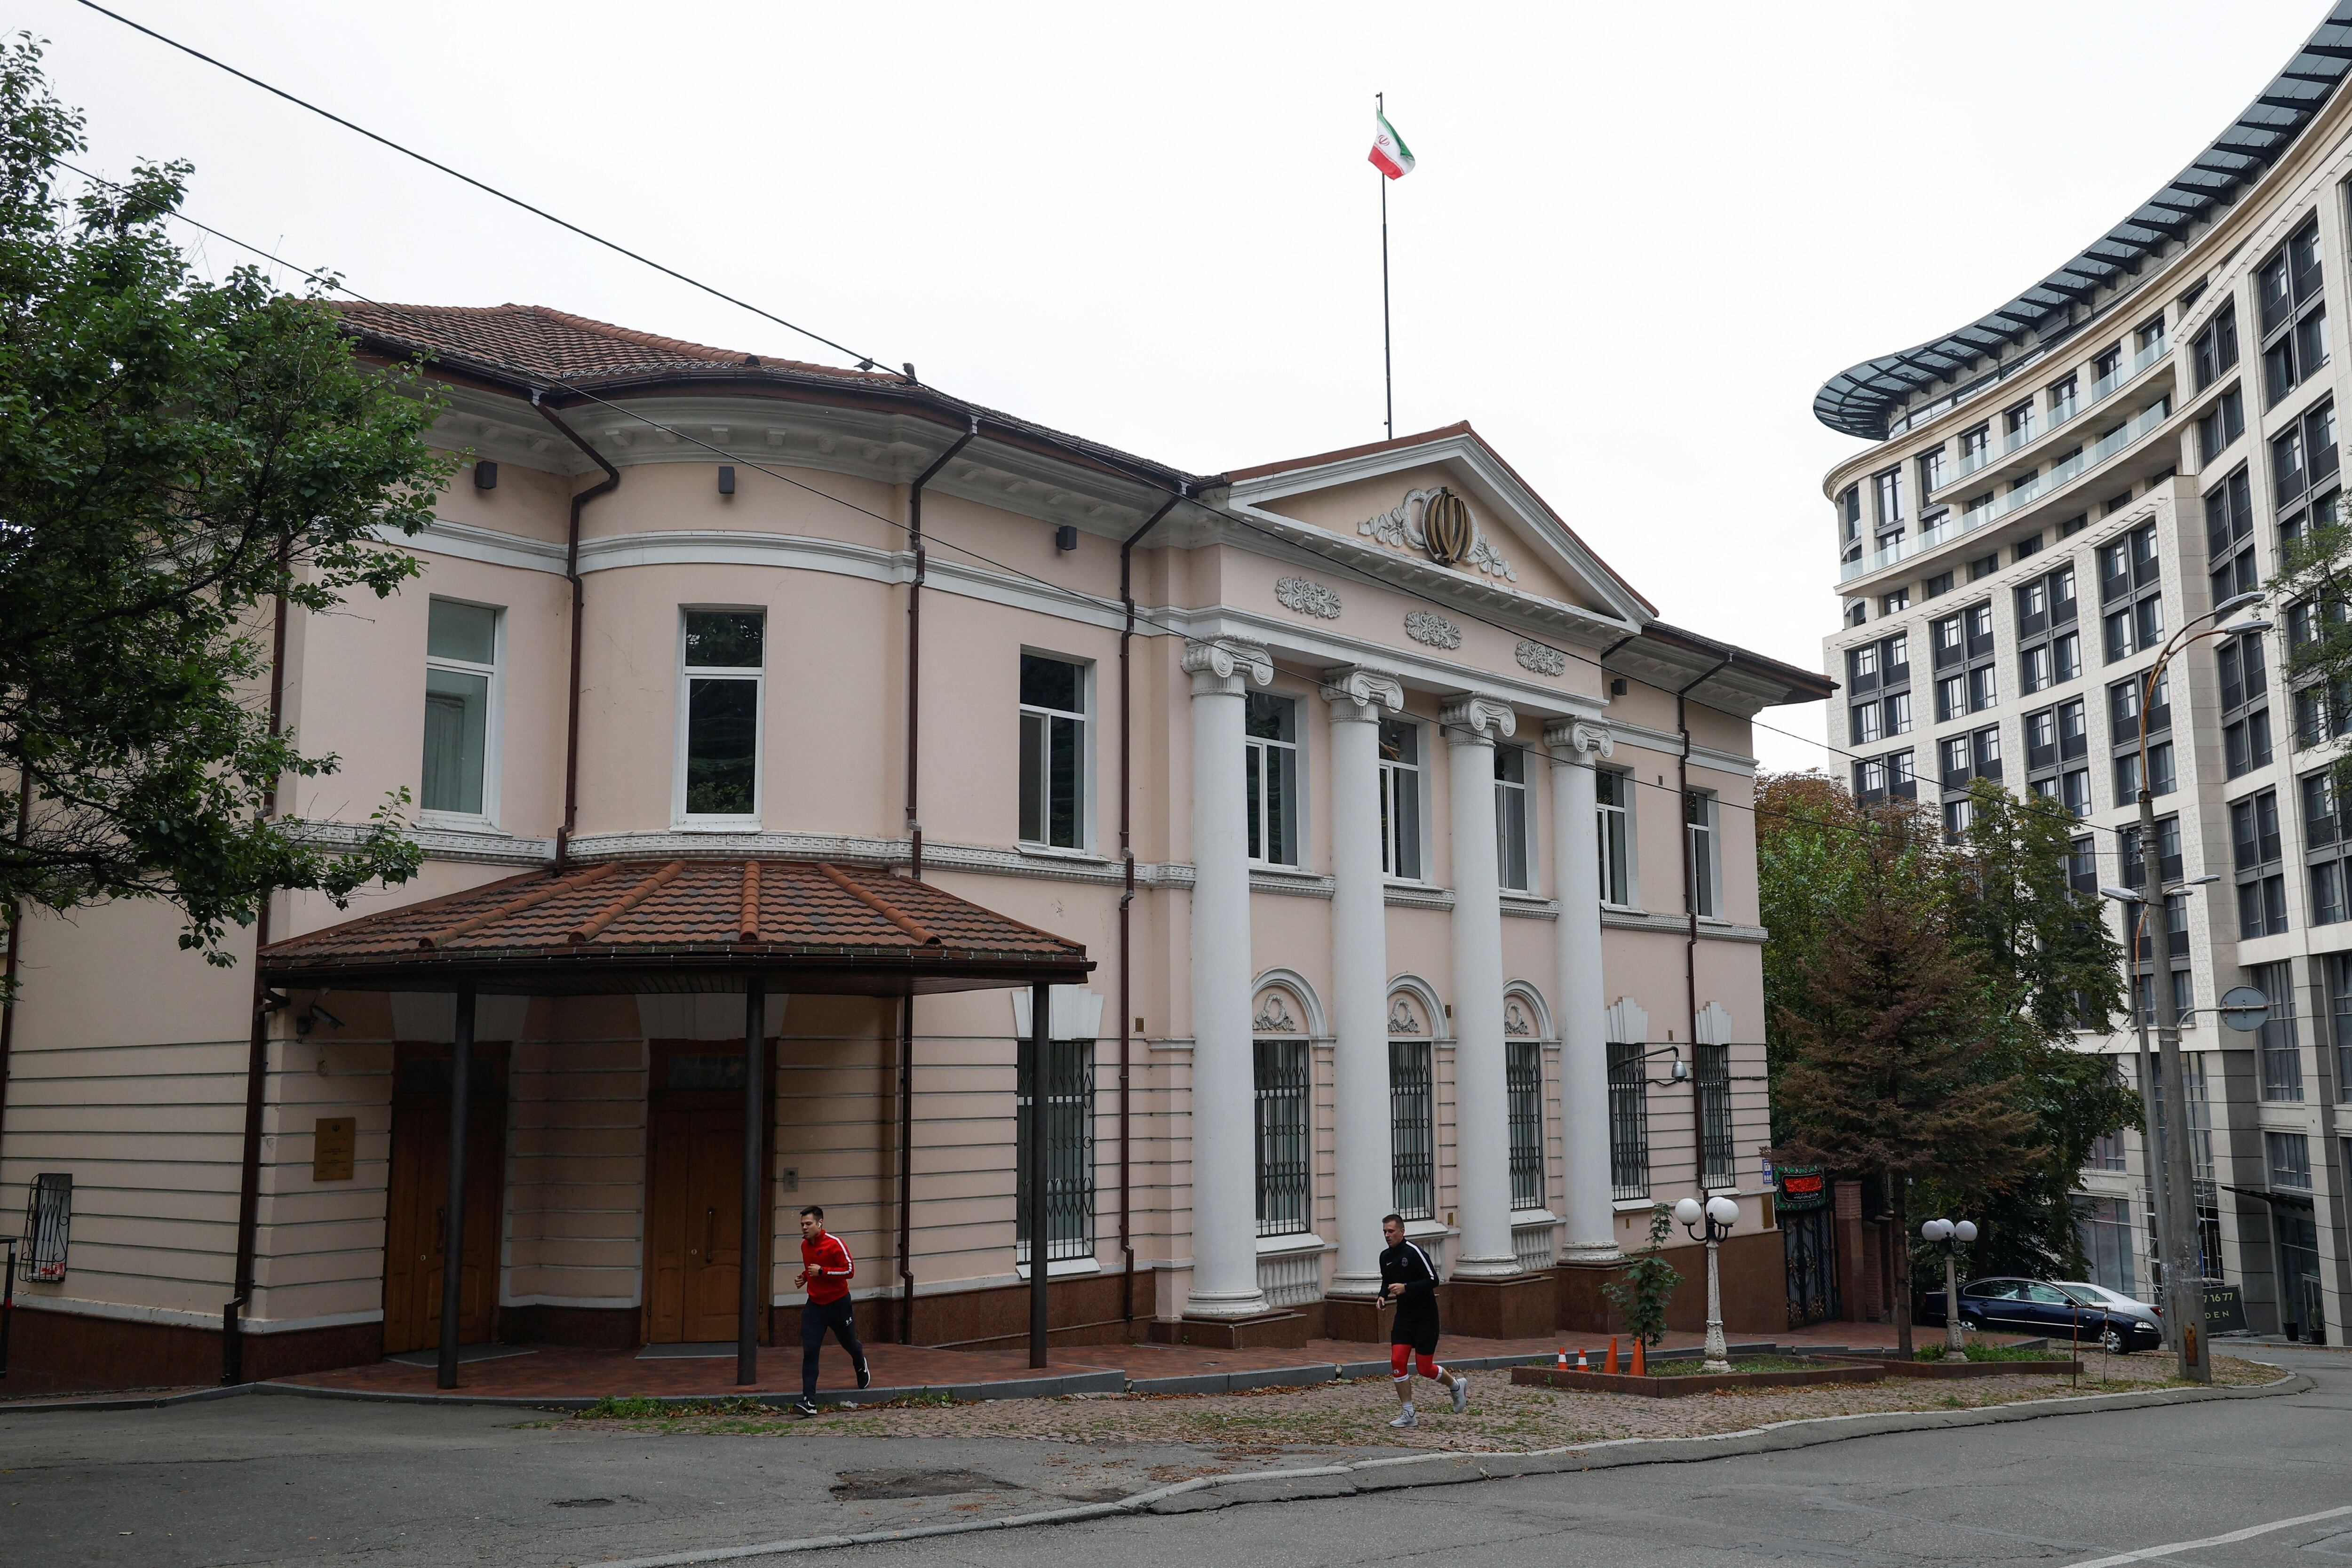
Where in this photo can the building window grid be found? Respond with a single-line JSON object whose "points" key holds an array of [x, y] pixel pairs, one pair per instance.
{"points": [[2254, 853], [2131, 594], [2229, 535], [1612, 804], [1069, 1151], [1052, 752], [1523, 1078], [461, 725], [1629, 1122], [1413, 1139], [2276, 1045], [1711, 1075], [2327, 842], [722, 675], [1401, 797], [1284, 1198], [2049, 644], [2294, 313], [2215, 350], [1514, 823], [1270, 763]]}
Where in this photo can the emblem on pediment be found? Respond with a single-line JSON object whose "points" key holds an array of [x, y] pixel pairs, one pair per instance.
{"points": [[1516, 1021], [1440, 525], [1431, 631], [1308, 598], [1403, 1020], [1274, 1017]]}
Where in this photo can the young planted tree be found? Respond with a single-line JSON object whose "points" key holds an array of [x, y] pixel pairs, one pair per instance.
{"points": [[1888, 1064], [1645, 1286], [181, 463]]}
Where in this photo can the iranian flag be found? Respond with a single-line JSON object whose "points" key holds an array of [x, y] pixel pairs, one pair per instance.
{"points": [[1391, 156]]}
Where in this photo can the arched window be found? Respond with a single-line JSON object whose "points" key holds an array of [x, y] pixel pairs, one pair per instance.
{"points": [[1283, 1133], [1413, 1013], [1525, 1026]]}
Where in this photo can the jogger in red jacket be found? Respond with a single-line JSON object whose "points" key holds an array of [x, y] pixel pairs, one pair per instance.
{"points": [[826, 1269]]}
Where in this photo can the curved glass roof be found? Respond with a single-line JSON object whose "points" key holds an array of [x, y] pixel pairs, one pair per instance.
{"points": [[1862, 401]]}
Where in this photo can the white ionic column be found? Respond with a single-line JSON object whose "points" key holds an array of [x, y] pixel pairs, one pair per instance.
{"points": [[1359, 698], [1482, 1121], [1576, 746], [1225, 1156]]}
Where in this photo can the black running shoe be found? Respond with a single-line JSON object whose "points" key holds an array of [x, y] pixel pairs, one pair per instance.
{"points": [[865, 1375]]}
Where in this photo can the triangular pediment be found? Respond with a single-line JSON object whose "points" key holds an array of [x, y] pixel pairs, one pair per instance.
{"points": [[1446, 503]]}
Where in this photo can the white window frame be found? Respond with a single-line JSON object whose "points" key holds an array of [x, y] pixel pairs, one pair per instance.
{"points": [[688, 674], [1256, 754], [1704, 838], [493, 722], [1085, 716], [1390, 840], [1622, 814], [1509, 798]]}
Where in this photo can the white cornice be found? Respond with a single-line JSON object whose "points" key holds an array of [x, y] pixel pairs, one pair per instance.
{"points": [[1318, 647]]}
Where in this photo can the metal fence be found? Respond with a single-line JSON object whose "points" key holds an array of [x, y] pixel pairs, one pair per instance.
{"points": [[1283, 1149]]}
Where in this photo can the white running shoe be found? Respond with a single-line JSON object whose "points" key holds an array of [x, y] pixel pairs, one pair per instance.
{"points": [[1460, 1392], [1407, 1419]]}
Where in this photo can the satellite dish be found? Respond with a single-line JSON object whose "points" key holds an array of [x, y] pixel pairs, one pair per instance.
{"points": [[2244, 1009]]}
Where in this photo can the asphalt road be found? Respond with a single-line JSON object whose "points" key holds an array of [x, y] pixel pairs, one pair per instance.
{"points": [[274, 1480]]}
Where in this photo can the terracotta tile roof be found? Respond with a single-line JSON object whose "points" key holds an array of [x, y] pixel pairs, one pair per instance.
{"points": [[651, 925], [539, 344]]}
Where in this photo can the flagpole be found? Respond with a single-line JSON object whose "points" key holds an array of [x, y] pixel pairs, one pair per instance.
{"points": [[1388, 363]]}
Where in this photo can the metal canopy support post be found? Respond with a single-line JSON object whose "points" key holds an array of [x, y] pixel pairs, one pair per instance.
{"points": [[1041, 1010], [755, 1120], [453, 1229]]}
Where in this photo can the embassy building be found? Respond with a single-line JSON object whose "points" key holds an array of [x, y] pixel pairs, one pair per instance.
{"points": [[2052, 492]]}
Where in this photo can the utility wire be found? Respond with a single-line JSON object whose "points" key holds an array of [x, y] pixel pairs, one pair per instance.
{"points": [[865, 362]]}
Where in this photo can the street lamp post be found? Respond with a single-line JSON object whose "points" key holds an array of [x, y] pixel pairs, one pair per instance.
{"points": [[1951, 1235], [1719, 1213], [2184, 1271]]}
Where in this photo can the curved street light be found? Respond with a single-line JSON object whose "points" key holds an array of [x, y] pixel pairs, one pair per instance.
{"points": [[1720, 1215]]}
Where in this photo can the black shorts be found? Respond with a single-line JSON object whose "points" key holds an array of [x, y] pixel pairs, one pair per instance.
{"points": [[1417, 1327]]}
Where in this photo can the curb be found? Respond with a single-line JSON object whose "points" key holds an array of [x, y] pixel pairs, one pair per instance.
{"points": [[1207, 1493]]}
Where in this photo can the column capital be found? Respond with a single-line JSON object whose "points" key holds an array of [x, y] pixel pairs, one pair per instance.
{"points": [[1226, 667], [1359, 694], [1472, 720], [1592, 737]]}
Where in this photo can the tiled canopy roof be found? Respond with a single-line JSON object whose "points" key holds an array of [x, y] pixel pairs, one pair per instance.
{"points": [[555, 345], [690, 925]]}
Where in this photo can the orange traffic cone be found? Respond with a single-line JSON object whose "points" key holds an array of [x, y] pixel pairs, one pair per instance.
{"points": [[1639, 1369], [1582, 1364], [1612, 1367], [1562, 1362]]}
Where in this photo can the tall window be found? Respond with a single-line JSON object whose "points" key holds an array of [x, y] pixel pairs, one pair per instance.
{"points": [[726, 654], [2104, 1226], [2274, 1042], [1698, 815], [2294, 314], [1052, 752], [1413, 1139], [1523, 1077], [2229, 535], [1511, 823], [1612, 803], [2255, 858], [2288, 1154], [1401, 799], [1069, 1151], [1283, 1187], [2340, 1008], [2217, 346], [1888, 490], [1270, 758], [1711, 1071], [1629, 1122], [461, 670]]}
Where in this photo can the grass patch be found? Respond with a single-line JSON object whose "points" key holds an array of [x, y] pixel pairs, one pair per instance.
{"points": [[1980, 1351], [641, 1408], [1740, 1363]]}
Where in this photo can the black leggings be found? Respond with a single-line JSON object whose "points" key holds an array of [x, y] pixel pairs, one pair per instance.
{"points": [[816, 1317]]}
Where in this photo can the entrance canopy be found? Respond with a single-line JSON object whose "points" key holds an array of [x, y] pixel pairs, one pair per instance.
{"points": [[683, 925]]}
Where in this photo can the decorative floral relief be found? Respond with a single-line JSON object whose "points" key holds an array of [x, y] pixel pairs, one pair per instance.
{"points": [[1401, 528], [1308, 598], [1515, 1020], [1436, 631], [1402, 1020], [1274, 1017], [1543, 660]]}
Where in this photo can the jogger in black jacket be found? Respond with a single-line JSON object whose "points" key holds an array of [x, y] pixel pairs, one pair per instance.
{"points": [[1409, 1280]]}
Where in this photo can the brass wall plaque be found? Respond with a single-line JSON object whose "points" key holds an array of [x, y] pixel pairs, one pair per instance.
{"points": [[333, 1146]]}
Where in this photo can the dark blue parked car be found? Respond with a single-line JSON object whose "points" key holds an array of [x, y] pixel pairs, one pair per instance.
{"points": [[2011, 1306]]}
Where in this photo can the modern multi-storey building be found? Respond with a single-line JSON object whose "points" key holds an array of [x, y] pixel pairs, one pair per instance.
{"points": [[2051, 492]]}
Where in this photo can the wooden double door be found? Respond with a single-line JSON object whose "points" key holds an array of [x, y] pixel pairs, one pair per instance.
{"points": [[417, 1205], [694, 1199]]}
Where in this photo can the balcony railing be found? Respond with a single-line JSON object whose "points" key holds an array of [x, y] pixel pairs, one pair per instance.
{"points": [[2060, 414], [2024, 495]]}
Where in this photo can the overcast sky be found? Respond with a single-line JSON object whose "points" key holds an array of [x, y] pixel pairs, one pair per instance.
{"points": [[1638, 239]]}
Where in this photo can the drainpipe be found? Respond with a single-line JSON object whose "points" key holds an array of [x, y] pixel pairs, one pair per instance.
{"points": [[8, 973], [915, 850], [1690, 905], [257, 1058], [914, 640], [1127, 897], [611, 481]]}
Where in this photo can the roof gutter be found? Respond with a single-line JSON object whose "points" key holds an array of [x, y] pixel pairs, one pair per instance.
{"points": [[611, 482]]}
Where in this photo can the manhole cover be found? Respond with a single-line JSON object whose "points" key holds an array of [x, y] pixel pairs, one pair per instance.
{"points": [[858, 1484], [581, 1502]]}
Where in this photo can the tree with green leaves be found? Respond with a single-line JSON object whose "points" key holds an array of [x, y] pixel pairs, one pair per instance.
{"points": [[183, 463], [1644, 1287]]}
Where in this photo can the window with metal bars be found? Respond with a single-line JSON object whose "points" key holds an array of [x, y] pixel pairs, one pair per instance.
{"points": [[49, 1225], [1282, 1194], [1711, 1071], [1629, 1123], [1523, 1074], [1412, 1137], [1069, 1151]]}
